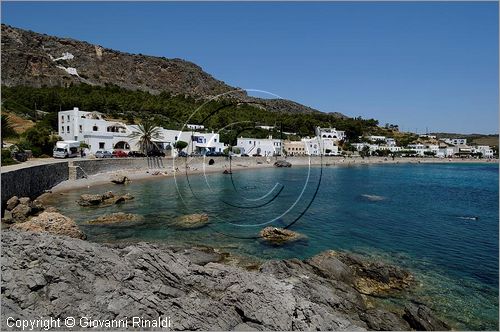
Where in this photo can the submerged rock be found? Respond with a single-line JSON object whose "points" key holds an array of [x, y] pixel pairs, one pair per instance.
{"points": [[282, 163], [51, 222], [120, 179], [373, 198], [279, 235], [118, 217], [191, 221], [89, 199], [421, 318], [105, 199]]}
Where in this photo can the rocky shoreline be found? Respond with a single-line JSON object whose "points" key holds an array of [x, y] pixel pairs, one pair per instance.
{"points": [[50, 275]]}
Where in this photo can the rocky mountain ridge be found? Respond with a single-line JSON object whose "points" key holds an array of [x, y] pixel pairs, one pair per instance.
{"points": [[36, 60]]}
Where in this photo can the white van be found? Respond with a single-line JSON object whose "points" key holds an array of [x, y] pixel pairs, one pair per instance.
{"points": [[66, 149]]}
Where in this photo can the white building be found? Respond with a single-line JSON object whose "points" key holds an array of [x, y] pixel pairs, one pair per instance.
{"points": [[374, 138], [101, 134], [195, 126], [330, 133], [390, 142], [485, 150], [444, 152], [260, 146], [455, 141], [316, 147]]}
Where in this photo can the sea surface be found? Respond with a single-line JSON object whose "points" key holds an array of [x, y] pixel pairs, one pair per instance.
{"points": [[438, 220]]}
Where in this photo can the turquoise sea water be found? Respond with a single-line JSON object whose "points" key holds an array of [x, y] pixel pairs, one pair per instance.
{"points": [[438, 220]]}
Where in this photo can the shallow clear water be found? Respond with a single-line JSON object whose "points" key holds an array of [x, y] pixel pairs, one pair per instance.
{"points": [[415, 215]]}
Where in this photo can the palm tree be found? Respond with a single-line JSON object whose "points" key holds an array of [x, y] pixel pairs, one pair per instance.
{"points": [[147, 132]]}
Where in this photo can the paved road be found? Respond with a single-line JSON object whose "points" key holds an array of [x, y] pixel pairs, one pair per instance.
{"points": [[36, 162]]}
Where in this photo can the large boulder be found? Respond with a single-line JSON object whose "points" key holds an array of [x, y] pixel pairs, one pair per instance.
{"points": [[21, 213], [120, 179], [279, 235], [329, 266], [191, 221], [7, 217], [37, 206], [282, 163], [25, 200], [12, 203], [51, 222], [105, 199], [90, 200], [114, 218], [421, 318]]}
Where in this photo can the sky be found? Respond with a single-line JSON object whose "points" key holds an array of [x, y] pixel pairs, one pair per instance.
{"points": [[428, 66]]}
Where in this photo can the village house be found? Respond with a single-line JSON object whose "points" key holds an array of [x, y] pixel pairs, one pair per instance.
{"points": [[260, 146]]}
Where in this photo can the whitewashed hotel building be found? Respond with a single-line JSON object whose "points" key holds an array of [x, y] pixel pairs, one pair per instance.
{"points": [[101, 134]]}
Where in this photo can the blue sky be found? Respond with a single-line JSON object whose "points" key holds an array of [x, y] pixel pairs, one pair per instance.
{"points": [[418, 65]]}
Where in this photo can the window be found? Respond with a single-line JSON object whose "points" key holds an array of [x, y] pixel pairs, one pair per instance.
{"points": [[215, 140], [62, 119], [81, 129], [68, 117], [101, 145], [67, 128], [62, 129], [95, 128]]}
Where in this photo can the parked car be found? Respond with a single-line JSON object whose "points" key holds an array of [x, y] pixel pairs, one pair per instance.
{"points": [[120, 154], [182, 154], [215, 154], [245, 155], [103, 154], [156, 153], [136, 154]]}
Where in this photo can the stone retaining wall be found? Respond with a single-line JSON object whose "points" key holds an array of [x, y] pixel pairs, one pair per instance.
{"points": [[32, 181]]}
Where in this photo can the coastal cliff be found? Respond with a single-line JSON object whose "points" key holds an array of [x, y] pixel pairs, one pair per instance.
{"points": [[48, 275]]}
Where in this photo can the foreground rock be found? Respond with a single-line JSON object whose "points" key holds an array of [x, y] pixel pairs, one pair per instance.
{"points": [[374, 277], [119, 217], [105, 199], [282, 163], [279, 235], [120, 179], [421, 318], [19, 210], [191, 221], [51, 222], [46, 275]]}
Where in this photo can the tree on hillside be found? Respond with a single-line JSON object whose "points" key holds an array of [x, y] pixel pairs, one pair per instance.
{"points": [[146, 132], [7, 130], [39, 139]]}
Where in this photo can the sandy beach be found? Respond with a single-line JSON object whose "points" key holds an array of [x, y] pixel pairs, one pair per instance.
{"points": [[197, 166]]}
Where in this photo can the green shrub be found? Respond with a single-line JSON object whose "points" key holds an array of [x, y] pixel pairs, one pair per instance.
{"points": [[6, 158]]}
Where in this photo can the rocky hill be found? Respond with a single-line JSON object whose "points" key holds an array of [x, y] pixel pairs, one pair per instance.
{"points": [[36, 60]]}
